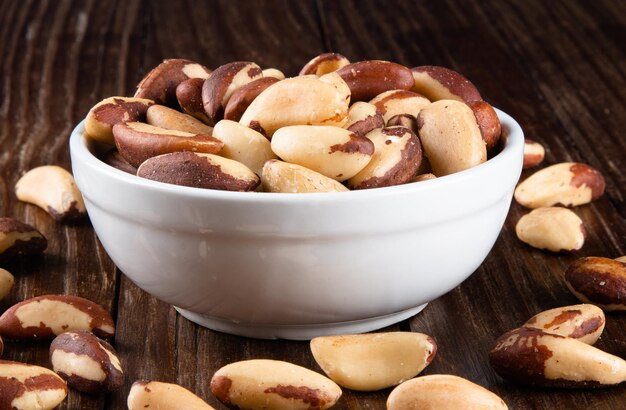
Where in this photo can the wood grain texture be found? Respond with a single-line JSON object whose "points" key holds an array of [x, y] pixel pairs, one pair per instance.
{"points": [[557, 67]]}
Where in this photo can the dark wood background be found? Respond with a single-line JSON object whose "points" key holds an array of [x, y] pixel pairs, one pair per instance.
{"points": [[558, 67]]}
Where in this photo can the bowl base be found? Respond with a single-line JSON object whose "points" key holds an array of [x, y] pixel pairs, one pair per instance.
{"points": [[298, 332]]}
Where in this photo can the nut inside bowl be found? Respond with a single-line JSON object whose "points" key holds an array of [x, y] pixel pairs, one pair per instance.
{"points": [[296, 266]]}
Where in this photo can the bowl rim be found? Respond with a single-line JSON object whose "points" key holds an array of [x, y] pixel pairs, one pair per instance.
{"points": [[80, 150]]}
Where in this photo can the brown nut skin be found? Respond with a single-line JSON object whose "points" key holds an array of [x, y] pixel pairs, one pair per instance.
{"points": [[138, 142], [116, 160], [403, 120], [441, 83], [582, 322], [86, 362], [488, 122], [189, 97], [160, 83], [18, 239], [324, 64], [533, 357], [199, 171], [217, 89], [50, 315], [597, 280], [113, 110], [367, 79], [243, 97], [534, 153], [363, 118], [27, 387]]}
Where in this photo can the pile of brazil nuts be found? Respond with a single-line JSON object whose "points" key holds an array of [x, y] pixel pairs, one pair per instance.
{"points": [[337, 126]]}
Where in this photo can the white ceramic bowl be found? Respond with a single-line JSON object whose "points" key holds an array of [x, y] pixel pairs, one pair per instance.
{"points": [[296, 266]]}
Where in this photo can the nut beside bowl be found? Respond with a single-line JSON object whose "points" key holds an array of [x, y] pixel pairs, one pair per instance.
{"points": [[297, 266]]}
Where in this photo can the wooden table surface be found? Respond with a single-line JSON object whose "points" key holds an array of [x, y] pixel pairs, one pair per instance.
{"points": [[558, 67]]}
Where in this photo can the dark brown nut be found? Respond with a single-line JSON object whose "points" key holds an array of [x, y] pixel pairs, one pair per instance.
{"points": [[243, 144], [450, 137], [367, 79], [536, 358], [160, 83], [50, 315], [601, 281], [116, 160], [27, 387], [243, 97], [403, 120], [582, 322], [53, 189], [299, 101], [441, 83], [397, 156], [227, 78], [373, 361], [324, 64], [137, 142], [86, 362], [189, 97], [488, 122], [396, 102], [443, 391], [279, 176], [363, 118], [170, 119], [199, 171], [16, 239], [332, 151], [273, 73], [554, 229], [146, 394], [114, 110], [567, 184], [534, 153], [273, 384]]}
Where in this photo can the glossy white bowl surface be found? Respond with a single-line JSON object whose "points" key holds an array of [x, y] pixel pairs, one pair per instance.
{"points": [[299, 265]]}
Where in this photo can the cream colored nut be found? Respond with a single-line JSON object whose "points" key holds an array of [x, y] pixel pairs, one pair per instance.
{"points": [[296, 101], [488, 123], [17, 239], [116, 160], [332, 151], [273, 73], [161, 82], [450, 137], [146, 394], [341, 87], [403, 120], [554, 229], [6, 282], [27, 387], [243, 144], [582, 322], [621, 259], [189, 97], [199, 171], [324, 64], [87, 363], [241, 99], [567, 184], [396, 102], [113, 110], [279, 176], [373, 361], [50, 315], [53, 189], [137, 142], [424, 177], [170, 119], [397, 156], [534, 153], [363, 118], [536, 358], [441, 83], [273, 384], [223, 82], [601, 281], [367, 79], [443, 391]]}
